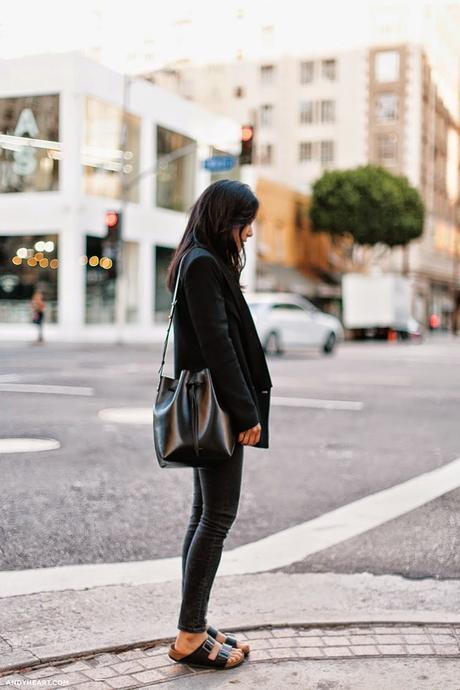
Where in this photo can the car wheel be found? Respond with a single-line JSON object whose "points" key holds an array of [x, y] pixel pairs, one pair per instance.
{"points": [[329, 345], [272, 344]]}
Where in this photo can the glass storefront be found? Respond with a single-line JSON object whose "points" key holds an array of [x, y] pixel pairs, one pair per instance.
{"points": [[162, 297], [101, 278], [102, 152], [175, 183], [27, 263], [29, 144], [100, 262]]}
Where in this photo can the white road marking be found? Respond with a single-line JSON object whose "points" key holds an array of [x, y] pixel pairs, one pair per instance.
{"points": [[316, 403], [8, 378], [27, 445], [39, 388], [275, 551], [127, 415], [341, 380], [144, 415]]}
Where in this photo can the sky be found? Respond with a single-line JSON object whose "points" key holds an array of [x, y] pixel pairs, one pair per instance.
{"points": [[143, 35], [205, 27]]}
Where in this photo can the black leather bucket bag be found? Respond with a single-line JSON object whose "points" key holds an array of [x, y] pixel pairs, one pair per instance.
{"points": [[190, 429]]}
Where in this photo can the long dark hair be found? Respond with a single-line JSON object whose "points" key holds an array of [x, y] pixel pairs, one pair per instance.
{"points": [[222, 206]]}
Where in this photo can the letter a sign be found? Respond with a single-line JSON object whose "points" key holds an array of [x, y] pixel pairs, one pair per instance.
{"points": [[25, 159]]}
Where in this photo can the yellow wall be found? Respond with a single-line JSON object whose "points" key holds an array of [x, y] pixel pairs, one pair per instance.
{"points": [[284, 235]]}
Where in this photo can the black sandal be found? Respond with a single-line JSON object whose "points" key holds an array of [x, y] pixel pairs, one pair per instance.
{"points": [[229, 638], [199, 657]]}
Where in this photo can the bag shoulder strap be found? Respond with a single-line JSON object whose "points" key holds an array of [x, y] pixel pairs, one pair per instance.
{"points": [[170, 318]]}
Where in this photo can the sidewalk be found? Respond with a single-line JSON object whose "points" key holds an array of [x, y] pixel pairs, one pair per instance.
{"points": [[301, 626]]}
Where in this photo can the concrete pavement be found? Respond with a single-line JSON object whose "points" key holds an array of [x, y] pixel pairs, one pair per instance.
{"points": [[39, 629]]}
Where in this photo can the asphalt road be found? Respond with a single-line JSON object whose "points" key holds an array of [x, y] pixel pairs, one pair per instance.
{"points": [[102, 497]]}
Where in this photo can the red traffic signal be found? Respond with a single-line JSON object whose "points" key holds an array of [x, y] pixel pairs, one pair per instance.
{"points": [[113, 225], [247, 132], [247, 138], [111, 219]]}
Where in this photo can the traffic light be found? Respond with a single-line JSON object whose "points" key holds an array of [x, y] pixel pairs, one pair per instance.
{"points": [[113, 226], [247, 140]]}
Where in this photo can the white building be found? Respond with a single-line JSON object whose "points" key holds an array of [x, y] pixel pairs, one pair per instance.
{"points": [[60, 155]]}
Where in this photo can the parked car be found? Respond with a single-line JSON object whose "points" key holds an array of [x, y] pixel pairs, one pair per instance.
{"points": [[411, 330], [289, 321]]}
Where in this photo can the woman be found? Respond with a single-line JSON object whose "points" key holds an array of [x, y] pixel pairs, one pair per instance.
{"points": [[213, 328]]}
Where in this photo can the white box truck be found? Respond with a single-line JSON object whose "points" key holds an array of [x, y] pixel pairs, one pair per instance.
{"points": [[376, 302]]}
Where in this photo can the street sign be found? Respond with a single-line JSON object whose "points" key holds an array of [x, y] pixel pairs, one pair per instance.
{"points": [[219, 163]]}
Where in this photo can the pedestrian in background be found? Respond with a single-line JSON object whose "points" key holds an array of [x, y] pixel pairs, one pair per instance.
{"points": [[38, 305], [213, 328]]}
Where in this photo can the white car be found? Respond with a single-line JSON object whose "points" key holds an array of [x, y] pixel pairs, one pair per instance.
{"points": [[288, 321]]}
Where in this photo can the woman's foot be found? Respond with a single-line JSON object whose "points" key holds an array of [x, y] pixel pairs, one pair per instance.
{"points": [[186, 643], [221, 637]]}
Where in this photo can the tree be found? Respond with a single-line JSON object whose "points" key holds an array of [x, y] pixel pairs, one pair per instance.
{"points": [[368, 203]]}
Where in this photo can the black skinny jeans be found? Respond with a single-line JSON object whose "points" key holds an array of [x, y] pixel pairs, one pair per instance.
{"points": [[216, 494]]}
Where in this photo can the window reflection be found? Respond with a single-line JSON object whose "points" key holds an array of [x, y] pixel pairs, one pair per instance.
{"points": [[175, 182], [29, 144], [28, 262], [162, 297], [100, 281], [102, 153]]}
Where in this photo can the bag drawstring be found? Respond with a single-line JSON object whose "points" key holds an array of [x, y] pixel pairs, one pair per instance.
{"points": [[194, 414]]}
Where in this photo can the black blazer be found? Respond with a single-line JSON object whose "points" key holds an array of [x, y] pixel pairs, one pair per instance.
{"points": [[213, 328]]}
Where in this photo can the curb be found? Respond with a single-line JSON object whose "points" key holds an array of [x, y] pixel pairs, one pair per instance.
{"points": [[20, 660]]}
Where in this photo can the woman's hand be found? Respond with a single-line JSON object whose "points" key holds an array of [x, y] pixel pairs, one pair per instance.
{"points": [[251, 436]]}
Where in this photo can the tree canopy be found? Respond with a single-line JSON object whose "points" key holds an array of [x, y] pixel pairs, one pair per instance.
{"points": [[368, 203]]}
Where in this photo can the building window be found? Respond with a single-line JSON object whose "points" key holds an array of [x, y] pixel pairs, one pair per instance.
{"points": [[162, 297], [306, 112], [386, 107], [327, 152], [327, 110], [305, 151], [329, 69], [266, 115], [102, 155], [27, 263], [175, 184], [239, 92], [265, 154], [29, 144], [100, 281], [307, 71], [267, 74], [386, 66], [387, 148]]}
